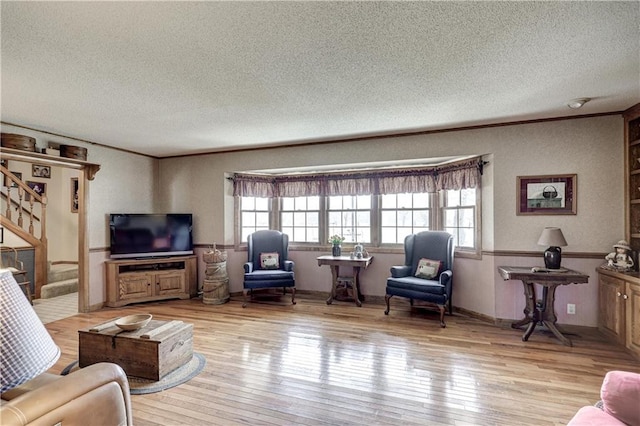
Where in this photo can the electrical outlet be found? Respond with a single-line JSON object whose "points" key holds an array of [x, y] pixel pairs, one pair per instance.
{"points": [[571, 308]]}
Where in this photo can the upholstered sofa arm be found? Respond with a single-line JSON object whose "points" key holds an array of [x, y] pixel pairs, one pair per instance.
{"points": [[248, 267], [97, 394], [620, 393], [288, 265], [400, 271]]}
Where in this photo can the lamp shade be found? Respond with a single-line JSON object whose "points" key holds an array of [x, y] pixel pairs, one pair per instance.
{"points": [[26, 348], [552, 237]]}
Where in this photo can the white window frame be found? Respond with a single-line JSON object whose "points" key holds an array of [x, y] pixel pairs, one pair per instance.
{"points": [[437, 207]]}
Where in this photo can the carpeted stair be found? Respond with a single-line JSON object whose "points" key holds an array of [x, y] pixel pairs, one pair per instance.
{"points": [[61, 279]]}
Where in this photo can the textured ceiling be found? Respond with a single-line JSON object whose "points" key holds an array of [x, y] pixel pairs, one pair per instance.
{"points": [[172, 78]]}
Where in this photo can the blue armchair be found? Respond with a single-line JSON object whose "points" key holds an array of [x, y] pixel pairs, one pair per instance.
{"points": [[267, 265], [427, 274]]}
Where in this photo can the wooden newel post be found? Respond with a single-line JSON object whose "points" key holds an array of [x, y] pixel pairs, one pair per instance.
{"points": [[215, 289]]}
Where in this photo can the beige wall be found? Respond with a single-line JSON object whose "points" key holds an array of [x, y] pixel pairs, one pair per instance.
{"points": [[125, 183], [592, 148]]}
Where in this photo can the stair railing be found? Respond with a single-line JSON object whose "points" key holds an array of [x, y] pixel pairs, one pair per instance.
{"points": [[22, 200]]}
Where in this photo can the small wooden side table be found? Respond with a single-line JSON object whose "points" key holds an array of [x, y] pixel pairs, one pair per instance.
{"points": [[353, 281], [542, 311]]}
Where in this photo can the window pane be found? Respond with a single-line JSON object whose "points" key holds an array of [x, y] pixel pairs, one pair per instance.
{"points": [[364, 202], [405, 201], [388, 218], [262, 204], [299, 219], [335, 203], [420, 200], [245, 233], [467, 217], [421, 218], [313, 203], [299, 234], [335, 219], [287, 230], [248, 219], [453, 198], [247, 203], [301, 203], [286, 219], [404, 218], [466, 238], [364, 235], [388, 201], [348, 203], [262, 220], [363, 218], [312, 219], [468, 197], [450, 218], [388, 235], [313, 235], [402, 233], [287, 203]]}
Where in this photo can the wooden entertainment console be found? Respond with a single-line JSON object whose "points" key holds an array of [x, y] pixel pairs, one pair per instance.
{"points": [[144, 280]]}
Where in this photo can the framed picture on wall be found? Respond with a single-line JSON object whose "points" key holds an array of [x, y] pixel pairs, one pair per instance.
{"points": [[547, 195], [74, 195], [38, 170], [39, 188]]}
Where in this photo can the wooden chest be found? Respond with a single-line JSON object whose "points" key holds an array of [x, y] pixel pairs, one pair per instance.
{"points": [[150, 352], [25, 143]]}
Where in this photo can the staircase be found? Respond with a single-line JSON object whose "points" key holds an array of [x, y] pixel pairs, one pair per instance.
{"points": [[61, 279]]}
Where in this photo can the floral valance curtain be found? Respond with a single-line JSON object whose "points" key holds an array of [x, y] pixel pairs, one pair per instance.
{"points": [[460, 175]]}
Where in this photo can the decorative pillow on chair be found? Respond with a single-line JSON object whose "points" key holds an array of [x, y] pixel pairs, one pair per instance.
{"points": [[428, 269], [269, 260]]}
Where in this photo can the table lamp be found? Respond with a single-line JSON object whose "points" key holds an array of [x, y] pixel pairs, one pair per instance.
{"points": [[553, 238], [26, 348]]}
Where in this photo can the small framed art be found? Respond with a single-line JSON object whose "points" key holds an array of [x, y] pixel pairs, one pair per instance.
{"points": [[547, 195], [38, 170], [74, 195]]}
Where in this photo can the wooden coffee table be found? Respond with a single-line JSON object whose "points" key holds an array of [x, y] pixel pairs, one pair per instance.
{"points": [[151, 352]]}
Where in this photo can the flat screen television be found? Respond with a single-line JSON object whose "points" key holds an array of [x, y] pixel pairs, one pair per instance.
{"points": [[135, 235]]}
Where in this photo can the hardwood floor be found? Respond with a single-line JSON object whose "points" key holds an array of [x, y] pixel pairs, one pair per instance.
{"points": [[314, 364]]}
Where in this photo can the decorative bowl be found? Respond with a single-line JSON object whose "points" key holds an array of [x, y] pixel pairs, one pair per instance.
{"points": [[133, 322]]}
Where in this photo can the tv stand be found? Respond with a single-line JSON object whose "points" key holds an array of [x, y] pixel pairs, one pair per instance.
{"points": [[149, 279]]}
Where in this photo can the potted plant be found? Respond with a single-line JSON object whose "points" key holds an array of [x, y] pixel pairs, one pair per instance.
{"points": [[335, 241]]}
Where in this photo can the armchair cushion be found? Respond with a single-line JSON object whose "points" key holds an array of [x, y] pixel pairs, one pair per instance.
{"points": [[270, 260], [427, 268]]}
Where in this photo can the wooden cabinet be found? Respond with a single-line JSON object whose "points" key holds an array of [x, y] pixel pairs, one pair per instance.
{"points": [[619, 307], [632, 174], [143, 280]]}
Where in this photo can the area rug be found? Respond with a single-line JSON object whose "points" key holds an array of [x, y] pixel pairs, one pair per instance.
{"points": [[139, 386]]}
